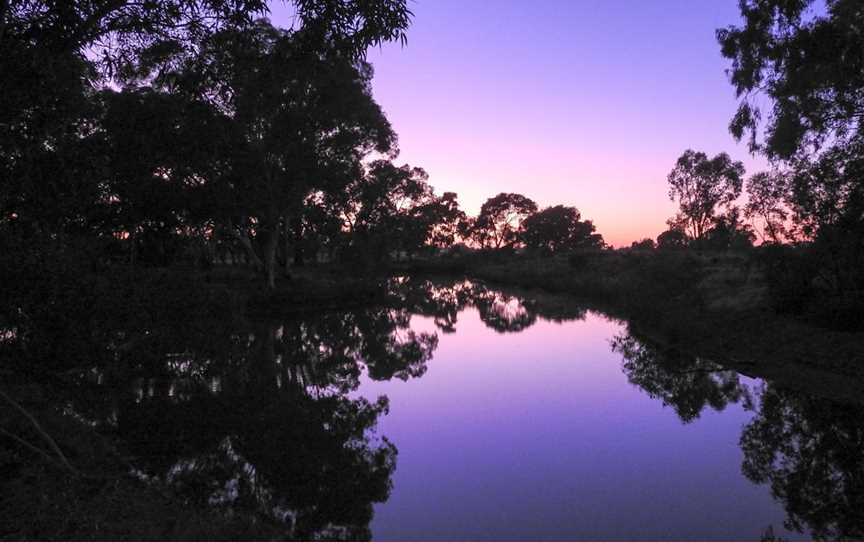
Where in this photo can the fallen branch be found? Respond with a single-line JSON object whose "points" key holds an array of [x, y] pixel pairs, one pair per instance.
{"points": [[45, 436]]}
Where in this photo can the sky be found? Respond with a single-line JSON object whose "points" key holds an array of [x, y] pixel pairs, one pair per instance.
{"points": [[586, 103]]}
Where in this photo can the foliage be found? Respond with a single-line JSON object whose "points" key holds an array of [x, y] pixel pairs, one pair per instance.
{"points": [[701, 186], [809, 65], [685, 383], [644, 244], [806, 64], [766, 194], [558, 228], [727, 232], [672, 238], [807, 449], [497, 225]]}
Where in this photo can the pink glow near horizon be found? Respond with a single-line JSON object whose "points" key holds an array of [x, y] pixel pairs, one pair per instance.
{"points": [[585, 103]]}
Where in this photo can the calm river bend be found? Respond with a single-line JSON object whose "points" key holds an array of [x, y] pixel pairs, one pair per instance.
{"points": [[458, 412]]}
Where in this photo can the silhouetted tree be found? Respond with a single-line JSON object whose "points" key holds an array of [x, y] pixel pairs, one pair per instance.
{"points": [[447, 222], [305, 120], [53, 57], [644, 244], [806, 64], [497, 225], [559, 228], [809, 65], [672, 238], [808, 450], [702, 185], [687, 384], [385, 210], [727, 232], [766, 194], [56, 56]]}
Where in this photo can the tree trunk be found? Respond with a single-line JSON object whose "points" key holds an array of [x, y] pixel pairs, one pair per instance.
{"points": [[246, 243], [270, 256], [297, 226]]}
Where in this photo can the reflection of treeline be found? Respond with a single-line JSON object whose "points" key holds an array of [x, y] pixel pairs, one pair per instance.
{"points": [[686, 382], [808, 450], [805, 446], [504, 310], [241, 420], [245, 420]]}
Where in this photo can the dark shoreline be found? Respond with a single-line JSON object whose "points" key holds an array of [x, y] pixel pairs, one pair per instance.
{"points": [[751, 338]]}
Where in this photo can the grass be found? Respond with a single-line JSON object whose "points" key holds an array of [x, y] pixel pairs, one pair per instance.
{"points": [[713, 304]]}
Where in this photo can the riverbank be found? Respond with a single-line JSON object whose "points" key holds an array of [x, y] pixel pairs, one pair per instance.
{"points": [[714, 305]]}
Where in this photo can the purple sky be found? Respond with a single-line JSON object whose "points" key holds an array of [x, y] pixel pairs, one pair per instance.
{"points": [[581, 102]]}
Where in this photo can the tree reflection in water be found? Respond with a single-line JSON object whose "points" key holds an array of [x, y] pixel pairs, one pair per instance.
{"points": [[811, 453], [686, 383], [258, 418], [259, 421], [809, 449]]}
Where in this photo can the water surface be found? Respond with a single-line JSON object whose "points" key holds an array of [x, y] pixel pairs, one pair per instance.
{"points": [[459, 412], [539, 435]]}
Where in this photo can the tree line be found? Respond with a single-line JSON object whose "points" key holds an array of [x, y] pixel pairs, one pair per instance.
{"points": [[798, 73], [196, 129]]}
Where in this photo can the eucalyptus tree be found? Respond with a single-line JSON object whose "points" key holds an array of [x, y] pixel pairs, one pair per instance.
{"points": [[766, 204], [54, 56], [798, 70], [702, 186], [446, 221], [384, 210], [673, 238], [497, 225], [810, 67], [304, 118], [163, 156], [559, 228]]}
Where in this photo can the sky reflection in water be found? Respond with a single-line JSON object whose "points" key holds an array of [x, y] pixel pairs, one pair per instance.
{"points": [[538, 435]]}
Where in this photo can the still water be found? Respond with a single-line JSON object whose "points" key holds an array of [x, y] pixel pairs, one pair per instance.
{"points": [[458, 412], [539, 435]]}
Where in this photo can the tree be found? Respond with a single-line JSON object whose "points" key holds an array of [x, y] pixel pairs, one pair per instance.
{"points": [[384, 210], [766, 193], [727, 232], [827, 200], [54, 56], [305, 120], [644, 244], [702, 185], [672, 238], [559, 228], [300, 102], [497, 225], [810, 67], [445, 220]]}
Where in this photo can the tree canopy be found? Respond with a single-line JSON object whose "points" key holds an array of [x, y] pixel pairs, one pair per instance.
{"points": [[559, 228], [497, 225], [809, 65], [701, 185]]}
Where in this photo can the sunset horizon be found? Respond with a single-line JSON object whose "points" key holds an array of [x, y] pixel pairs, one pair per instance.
{"points": [[432, 270], [535, 101]]}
